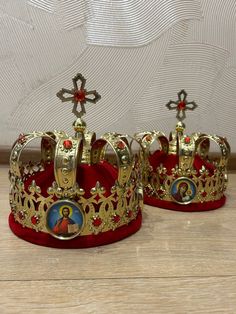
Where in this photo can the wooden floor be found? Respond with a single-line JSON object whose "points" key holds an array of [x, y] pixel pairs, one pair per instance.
{"points": [[177, 263]]}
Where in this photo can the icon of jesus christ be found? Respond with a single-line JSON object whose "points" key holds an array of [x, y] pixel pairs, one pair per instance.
{"points": [[62, 225]]}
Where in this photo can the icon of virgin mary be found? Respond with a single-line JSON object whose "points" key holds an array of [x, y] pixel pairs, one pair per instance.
{"points": [[183, 194]]}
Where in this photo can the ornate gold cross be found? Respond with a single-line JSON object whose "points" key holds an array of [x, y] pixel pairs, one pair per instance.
{"points": [[78, 95], [181, 105]]}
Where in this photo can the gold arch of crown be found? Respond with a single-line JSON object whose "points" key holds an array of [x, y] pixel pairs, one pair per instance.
{"points": [[157, 182]]}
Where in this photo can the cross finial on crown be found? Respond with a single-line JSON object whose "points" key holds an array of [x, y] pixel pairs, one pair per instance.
{"points": [[78, 95], [181, 105]]}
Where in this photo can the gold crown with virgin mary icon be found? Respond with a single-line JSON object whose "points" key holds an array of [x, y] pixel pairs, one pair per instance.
{"points": [[75, 193], [182, 175]]}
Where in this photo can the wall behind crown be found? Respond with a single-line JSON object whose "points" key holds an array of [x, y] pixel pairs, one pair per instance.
{"points": [[138, 54]]}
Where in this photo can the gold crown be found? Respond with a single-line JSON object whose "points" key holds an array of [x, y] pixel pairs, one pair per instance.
{"points": [[181, 172], [74, 192]]}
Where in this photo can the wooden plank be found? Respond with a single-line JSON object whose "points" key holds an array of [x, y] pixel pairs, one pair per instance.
{"points": [[153, 295], [169, 244]]}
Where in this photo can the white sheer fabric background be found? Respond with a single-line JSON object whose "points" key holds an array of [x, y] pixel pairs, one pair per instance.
{"points": [[137, 53]]}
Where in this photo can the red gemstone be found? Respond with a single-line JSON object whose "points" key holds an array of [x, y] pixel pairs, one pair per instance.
{"points": [[97, 221], [21, 139], [35, 220], [160, 192], [67, 144], [148, 138], [21, 215], [129, 213], [181, 105], [46, 144], [187, 140], [79, 95], [204, 194], [116, 218], [139, 208], [120, 145]]}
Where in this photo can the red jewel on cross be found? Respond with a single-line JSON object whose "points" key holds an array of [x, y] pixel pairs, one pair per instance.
{"points": [[78, 94], [181, 105]]}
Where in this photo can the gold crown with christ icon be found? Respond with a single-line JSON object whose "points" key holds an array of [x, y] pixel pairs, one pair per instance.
{"points": [[182, 174], [75, 192]]}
